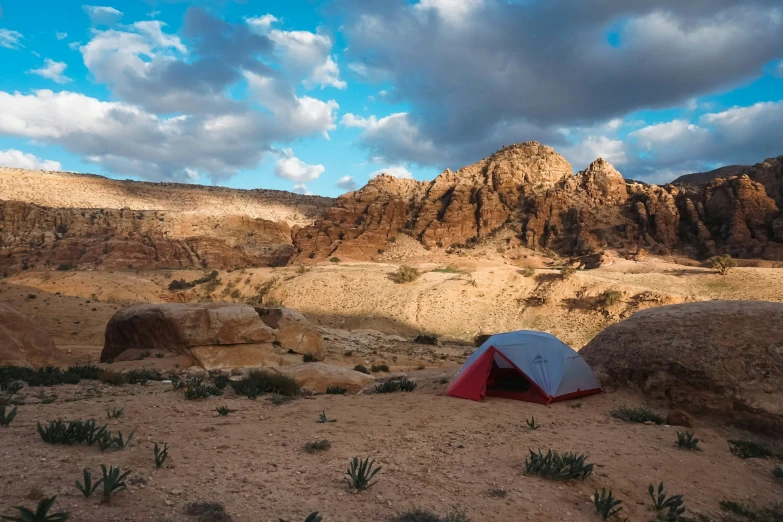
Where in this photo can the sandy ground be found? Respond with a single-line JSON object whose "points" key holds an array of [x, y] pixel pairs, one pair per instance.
{"points": [[437, 453]]}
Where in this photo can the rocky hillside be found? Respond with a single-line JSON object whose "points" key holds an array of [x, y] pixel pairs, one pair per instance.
{"points": [[530, 189]]}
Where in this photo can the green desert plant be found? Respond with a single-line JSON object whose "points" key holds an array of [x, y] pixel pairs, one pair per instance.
{"points": [[105, 441], [335, 390], [640, 415], [113, 482], [554, 466], [89, 486], [722, 264], [361, 473], [361, 369], [532, 423], [221, 381], [667, 507], [224, 410], [74, 432], [395, 385], [256, 382], [141, 376], [379, 368], [606, 504], [121, 443], [115, 413], [319, 445], [749, 450], [322, 419], [41, 514], [6, 418], [686, 440], [160, 454], [312, 517], [195, 390], [11, 387], [407, 274]]}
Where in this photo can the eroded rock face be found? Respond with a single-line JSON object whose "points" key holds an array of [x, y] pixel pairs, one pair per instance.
{"points": [[23, 343], [531, 189], [216, 335], [720, 357]]}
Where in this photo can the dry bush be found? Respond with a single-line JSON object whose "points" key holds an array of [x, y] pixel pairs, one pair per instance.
{"points": [[407, 274]]}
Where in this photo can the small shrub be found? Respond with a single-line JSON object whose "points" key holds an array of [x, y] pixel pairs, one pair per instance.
{"points": [[686, 440], [379, 368], [221, 381], [554, 466], [308, 358], [407, 274], [6, 418], [160, 454], [567, 272], [224, 410], [361, 473], [301, 270], [426, 339], [256, 382], [208, 512], [334, 260], [361, 369], [41, 514], [335, 390], [640, 415], [115, 413], [195, 390], [74, 432], [671, 508], [746, 449], [527, 272], [722, 264], [88, 372], [606, 504], [113, 482], [89, 486], [320, 445], [142, 376], [532, 423], [396, 385], [608, 298]]}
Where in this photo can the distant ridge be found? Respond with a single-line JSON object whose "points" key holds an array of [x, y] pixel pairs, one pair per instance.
{"points": [[702, 178]]}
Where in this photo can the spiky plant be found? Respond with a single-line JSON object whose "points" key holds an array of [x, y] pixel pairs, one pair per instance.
{"points": [[224, 410], [89, 486], [41, 514], [335, 390], [113, 482], [640, 415], [161, 454], [6, 418], [322, 418], [361, 473], [532, 423], [667, 507], [105, 441], [396, 384], [606, 504], [221, 381], [121, 443], [554, 466], [686, 440], [115, 413]]}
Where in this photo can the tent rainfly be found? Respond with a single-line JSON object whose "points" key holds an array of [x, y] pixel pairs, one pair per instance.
{"points": [[527, 366]]}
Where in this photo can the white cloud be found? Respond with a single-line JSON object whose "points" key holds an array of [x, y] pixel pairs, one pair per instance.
{"points": [[397, 172], [23, 160], [393, 137], [586, 151], [301, 188], [61, 36], [10, 39], [451, 11], [347, 183], [53, 71], [307, 55], [290, 167], [261, 24], [102, 15], [668, 134], [74, 46]]}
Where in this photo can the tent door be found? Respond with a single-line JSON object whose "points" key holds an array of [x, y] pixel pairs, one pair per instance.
{"points": [[507, 381]]}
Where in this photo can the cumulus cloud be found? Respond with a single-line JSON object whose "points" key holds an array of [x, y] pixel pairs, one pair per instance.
{"points": [[290, 167], [263, 23], [102, 15], [396, 171], [307, 54], [53, 71], [587, 150], [10, 39], [60, 36], [301, 188], [24, 160], [347, 183], [394, 138]]}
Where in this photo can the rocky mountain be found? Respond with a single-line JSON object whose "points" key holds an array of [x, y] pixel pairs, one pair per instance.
{"points": [[531, 189], [702, 178]]}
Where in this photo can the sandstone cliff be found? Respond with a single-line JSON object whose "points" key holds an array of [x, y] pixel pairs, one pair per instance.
{"points": [[530, 188]]}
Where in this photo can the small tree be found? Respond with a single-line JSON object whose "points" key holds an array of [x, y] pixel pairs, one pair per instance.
{"points": [[722, 264]]}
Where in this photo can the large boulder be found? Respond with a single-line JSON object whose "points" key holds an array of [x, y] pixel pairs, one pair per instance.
{"points": [[216, 335], [722, 357], [23, 343], [316, 377]]}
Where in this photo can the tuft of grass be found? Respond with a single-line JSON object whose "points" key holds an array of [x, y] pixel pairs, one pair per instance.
{"points": [[361, 473], [319, 445], [554, 466], [113, 482], [208, 512], [606, 504], [6, 418], [115, 413], [194, 390], [224, 410], [532, 423], [160, 454], [379, 368], [407, 274], [335, 390], [361, 369], [448, 270], [88, 487], [669, 507], [746, 449], [426, 339], [608, 298], [640, 415], [395, 385], [257, 382], [41, 513], [421, 515], [686, 440]]}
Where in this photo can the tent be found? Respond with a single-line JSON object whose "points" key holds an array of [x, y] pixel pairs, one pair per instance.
{"points": [[525, 365]]}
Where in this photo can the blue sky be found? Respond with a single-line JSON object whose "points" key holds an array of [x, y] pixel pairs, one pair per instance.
{"points": [[318, 96]]}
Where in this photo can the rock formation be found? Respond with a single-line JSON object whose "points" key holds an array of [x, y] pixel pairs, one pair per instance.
{"points": [[23, 343], [721, 357], [216, 335], [530, 189], [316, 377]]}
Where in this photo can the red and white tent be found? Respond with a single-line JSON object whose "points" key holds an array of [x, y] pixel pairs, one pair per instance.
{"points": [[525, 365]]}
